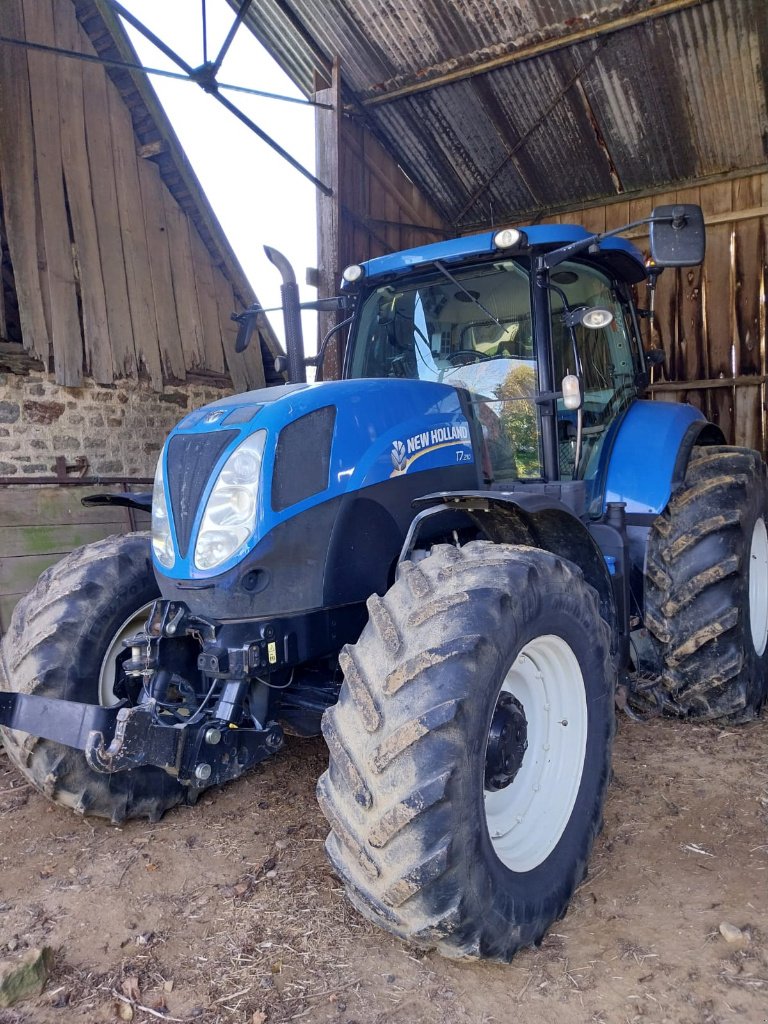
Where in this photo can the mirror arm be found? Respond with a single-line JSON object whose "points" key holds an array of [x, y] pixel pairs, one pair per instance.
{"points": [[553, 259], [320, 357]]}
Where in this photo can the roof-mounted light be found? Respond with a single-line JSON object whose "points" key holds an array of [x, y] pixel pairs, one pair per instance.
{"points": [[353, 273], [508, 238]]}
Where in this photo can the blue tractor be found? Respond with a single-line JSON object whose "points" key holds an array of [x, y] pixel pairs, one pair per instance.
{"points": [[454, 562]]}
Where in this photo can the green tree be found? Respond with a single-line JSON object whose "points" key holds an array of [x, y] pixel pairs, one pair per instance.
{"points": [[519, 423]]}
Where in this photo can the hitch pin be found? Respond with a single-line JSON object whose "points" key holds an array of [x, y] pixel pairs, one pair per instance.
{"points": [[171, 627]]}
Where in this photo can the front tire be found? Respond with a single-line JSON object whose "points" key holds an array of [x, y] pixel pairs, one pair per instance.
{"points": [[63, 641], [706, 588], [444, 832]]}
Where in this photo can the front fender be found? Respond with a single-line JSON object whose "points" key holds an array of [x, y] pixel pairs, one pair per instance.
{"points": [[539, 521]]}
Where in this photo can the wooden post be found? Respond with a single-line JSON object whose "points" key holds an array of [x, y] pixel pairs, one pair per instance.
{"points": [[66, 332], [327, 145]]}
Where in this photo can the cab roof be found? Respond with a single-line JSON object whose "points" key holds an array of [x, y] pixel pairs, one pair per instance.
{"points": [[621, 257]]}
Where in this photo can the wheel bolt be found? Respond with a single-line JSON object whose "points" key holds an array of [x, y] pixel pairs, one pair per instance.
{"points": [[203, 772], [213, 736]]}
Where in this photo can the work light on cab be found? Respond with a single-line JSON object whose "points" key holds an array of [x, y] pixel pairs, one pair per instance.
{"points": [[508, 238]]}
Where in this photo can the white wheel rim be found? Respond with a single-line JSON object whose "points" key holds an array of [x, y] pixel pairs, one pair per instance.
{"points": [[526, 819], [758, 586], [108, 670]]}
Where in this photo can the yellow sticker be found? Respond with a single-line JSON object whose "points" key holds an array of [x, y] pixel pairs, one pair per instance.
{"points": [[272, 652]]}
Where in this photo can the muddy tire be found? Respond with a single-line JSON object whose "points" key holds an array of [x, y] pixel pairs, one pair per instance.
{"points": [[431, 839], [706, 588], [62, 642]]}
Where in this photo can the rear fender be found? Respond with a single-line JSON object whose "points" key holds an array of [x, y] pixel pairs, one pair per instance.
{"points": [[650, 454]]}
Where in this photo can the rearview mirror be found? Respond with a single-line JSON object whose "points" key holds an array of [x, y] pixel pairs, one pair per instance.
{"points": [[245, 333], [677, 236]]}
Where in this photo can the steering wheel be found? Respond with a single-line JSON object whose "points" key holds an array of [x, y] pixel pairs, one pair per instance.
{"points": [[465, 356]]}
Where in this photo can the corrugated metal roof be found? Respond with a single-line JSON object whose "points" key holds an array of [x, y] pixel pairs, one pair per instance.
{"points": [[500, 110]]}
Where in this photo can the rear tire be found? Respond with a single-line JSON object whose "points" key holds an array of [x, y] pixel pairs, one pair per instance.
{"points": [[62, 642], [706, 588], [426, 845]]}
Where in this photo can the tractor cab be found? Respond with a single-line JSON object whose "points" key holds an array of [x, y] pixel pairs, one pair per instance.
{"points": [[551, 359]]}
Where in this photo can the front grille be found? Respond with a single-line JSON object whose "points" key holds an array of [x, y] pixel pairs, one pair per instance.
{"points": [[191, 459]]}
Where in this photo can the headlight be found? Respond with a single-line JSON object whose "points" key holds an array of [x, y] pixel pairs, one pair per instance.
{"points": [[162, 541], [229, 518]]}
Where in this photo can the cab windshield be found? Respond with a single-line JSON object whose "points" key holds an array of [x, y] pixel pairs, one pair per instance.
{"points": [[474, 332]]}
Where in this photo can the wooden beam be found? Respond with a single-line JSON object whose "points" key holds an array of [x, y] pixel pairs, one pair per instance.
{"points": [[98, 136], [66, 331], [184, 291], [80, 189], [171, 350], [134, 235], [560, 212], [459, 74], [705, 385], [17, 167], [14, 358], [327, 145], [206, 303]]}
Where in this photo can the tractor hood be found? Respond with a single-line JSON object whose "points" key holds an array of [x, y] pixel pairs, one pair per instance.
{"points": [[234, 472]]}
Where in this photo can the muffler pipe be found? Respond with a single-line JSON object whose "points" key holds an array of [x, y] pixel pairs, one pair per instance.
{"points": [[289, 295]]}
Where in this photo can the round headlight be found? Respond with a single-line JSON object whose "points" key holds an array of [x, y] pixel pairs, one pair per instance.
{"points": [[353, 273], [245, 467], [507, 237]]}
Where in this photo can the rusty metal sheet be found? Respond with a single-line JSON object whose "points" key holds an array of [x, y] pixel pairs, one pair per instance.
{"points": [[675, 97]]}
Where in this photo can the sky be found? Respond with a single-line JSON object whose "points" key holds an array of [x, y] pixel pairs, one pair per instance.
{"points": [[257, 196]]}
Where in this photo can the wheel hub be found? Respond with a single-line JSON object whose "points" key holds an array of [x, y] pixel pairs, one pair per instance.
{"points": [[507, 743]]}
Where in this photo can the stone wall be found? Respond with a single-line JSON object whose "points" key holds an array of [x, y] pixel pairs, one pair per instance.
{"points": [[118, 429]]}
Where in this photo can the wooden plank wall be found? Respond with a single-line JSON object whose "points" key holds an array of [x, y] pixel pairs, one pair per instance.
{"points": [[61, 524], [375, 208], [112, 277], [382, 210], [711, 320]]}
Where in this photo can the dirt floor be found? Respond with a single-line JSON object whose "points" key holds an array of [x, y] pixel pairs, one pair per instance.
{"points": [[228, 912]]}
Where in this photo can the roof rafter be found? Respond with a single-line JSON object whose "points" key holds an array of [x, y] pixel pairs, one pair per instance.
{"points": [[433, 78]]}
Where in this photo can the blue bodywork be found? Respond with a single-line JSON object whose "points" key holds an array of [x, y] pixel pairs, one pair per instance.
{"points": [[540, 235], [390, 428], [383, 429], [645, 454]]}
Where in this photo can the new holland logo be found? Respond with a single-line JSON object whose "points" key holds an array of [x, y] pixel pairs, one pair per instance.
{"points": [[404, 453], [399, 458]]}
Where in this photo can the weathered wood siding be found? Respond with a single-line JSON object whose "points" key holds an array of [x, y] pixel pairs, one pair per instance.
{"points": [[61, 524], [710, 320], [375, 208], [111, 276]]}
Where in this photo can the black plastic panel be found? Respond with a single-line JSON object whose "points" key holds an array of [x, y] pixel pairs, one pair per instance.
{"points": [[191, 459], [303, 458]]}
